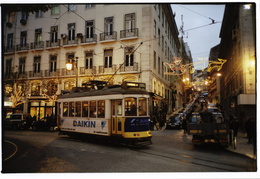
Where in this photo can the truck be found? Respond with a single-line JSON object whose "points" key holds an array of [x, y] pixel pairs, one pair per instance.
{"points": [[208, 127]]}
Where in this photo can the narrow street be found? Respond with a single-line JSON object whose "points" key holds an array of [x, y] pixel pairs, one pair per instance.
{"points": [[171, 151]]}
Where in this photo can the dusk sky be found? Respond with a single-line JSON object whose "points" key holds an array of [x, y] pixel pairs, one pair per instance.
{"points": [[199, 35]]}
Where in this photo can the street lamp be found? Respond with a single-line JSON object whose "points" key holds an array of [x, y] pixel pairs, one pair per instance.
{"points": [[73, 62]]}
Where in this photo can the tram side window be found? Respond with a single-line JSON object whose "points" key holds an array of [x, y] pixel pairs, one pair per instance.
{"points": [[65, 109], [85, 109], [93, 109], [78, 109], [142, 107], [130, 107], [101, 108], [71, 109]]}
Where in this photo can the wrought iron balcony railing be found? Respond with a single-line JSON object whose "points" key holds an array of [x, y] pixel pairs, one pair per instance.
{"points": [[89, 39], [129, 33], [108, 36]]}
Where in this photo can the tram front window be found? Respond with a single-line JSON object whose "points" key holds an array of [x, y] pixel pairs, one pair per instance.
{"points": [[65, 109], [130, 107], [142, 107]]}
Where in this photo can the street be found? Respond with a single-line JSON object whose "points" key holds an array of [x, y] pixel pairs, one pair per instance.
{"points": [[171, 151]]}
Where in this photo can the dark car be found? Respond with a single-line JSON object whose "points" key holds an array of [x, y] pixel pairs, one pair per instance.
{"points": [[47, 123], [174, 122]]}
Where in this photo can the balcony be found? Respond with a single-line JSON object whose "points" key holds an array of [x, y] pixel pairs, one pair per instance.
{"points": [[110, 70], [89, 40], [129, 69], [50, 44], [48, 73], [129, 33], [90, 72], [22, 47], [108, 36], [9, 49], [33, 75], [67, 42], [37, 45]]}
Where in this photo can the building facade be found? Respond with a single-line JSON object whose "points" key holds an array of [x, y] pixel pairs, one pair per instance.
{"points": [[238, 47], [108, 42]]}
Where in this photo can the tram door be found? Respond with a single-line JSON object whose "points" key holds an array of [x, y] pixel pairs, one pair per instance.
{"points": [[117, 109]]}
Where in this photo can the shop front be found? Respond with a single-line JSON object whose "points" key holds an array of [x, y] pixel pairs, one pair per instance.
{"points": [[41, 108]]}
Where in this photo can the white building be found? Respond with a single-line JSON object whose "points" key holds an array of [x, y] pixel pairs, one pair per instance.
{"points": [[110, 42]]}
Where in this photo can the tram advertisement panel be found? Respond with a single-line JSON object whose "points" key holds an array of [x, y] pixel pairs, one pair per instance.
{"points": [[88, 126]]}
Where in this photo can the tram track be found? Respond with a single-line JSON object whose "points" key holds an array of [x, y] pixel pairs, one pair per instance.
{"points": [[194, 161], [15, 150]]}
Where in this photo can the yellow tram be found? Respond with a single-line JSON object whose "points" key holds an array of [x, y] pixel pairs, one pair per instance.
{"points": [[118, 112]]}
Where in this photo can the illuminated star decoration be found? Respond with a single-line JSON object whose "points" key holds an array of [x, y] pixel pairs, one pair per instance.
{"points": [[216, 64], [177, 68]]}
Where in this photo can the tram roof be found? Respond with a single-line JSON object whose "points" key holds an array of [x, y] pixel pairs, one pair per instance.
{"points": [[105, 91]]}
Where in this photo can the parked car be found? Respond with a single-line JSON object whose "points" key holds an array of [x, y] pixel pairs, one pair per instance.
{"points": [[18, 121], [47, 123], [174, 122]]}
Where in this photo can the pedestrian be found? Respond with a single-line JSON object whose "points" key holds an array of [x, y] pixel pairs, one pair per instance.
{"points": [[250, 126], [184, 126]]}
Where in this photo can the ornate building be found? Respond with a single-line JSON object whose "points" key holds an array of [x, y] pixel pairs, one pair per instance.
{"points": [[108, 42]]}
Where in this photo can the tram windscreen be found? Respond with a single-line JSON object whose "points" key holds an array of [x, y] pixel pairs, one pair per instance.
{"points": [[137, 124]]}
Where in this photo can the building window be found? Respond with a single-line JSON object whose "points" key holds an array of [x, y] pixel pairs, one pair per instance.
{"points": [[39, 14], [37, 64], [130, 21], [8, 67], [154, 60], [53, 63], [23, 38], [159, 35], [72, 7], [89, 60], [54, 34], [159, 64], [108, 58], [109, 25], [10, 40], [163, 19], [71, 31], [88, 6], [11, 17], [129, 57], [162, 43], [21, 65], [38, 35], [89, 29], [55, 9], [24, 16], [154, 29]]}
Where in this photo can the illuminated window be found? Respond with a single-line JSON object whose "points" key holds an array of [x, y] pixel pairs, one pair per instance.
{"points": [[130, 107], [78, 109], [65, 109], [142, 107], [85, 109], [93, 109], [101, 108]]}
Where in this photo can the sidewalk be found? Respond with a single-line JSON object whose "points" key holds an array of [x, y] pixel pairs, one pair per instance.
{"points": [[243, 147]]}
